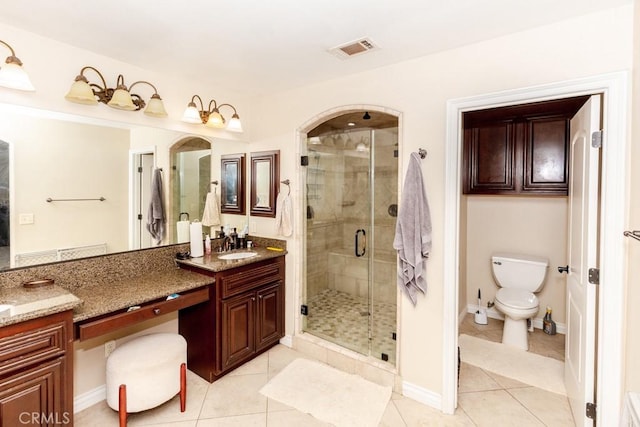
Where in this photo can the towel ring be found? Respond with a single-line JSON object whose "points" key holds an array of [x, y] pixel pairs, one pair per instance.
{"points": [[287, 182]]}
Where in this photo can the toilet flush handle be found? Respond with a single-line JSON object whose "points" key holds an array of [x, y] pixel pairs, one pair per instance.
{"points": [[564, 269]]}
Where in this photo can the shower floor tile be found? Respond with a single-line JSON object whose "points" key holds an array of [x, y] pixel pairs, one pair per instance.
{"points": [[343, 318]]}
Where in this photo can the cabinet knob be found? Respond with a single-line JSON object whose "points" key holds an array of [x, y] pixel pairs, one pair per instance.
{"points": [[156, 311], [253, 298]]}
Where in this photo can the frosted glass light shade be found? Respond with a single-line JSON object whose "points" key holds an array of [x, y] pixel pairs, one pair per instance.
{"points": [[121, 100], [191, 114], [234, 124], [13, 76], [155, 107], [81, 93], [215, 120]]}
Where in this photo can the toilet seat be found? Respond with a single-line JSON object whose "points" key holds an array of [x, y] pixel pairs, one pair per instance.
{"points": [[517, 298]]}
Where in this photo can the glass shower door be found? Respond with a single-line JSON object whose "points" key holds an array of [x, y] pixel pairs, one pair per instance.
{"points": [[337, 257]]}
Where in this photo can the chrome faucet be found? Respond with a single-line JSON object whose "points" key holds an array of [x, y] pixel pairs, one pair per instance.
{"points": [[226, 244]]}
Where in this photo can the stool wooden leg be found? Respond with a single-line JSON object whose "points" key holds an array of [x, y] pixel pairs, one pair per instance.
{"points": [[122, 405], [183, 387]]}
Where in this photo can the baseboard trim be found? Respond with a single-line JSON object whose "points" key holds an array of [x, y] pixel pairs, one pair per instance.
{"points": [[422, 395], [90, 398], [493, 313], [287, 340]]}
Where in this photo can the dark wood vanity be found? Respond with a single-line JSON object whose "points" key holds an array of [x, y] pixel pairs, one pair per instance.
{"points": [[36, 371], [243, 317]]}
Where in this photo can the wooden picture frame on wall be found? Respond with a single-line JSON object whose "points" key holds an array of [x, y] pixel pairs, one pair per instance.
{"points": [[265, 176], [232, 189]]}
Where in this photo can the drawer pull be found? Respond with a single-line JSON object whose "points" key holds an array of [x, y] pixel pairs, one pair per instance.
{"points": [[156, 311]]}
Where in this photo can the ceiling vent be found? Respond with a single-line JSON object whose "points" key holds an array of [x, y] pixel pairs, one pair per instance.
{"points": [[354, 48]]}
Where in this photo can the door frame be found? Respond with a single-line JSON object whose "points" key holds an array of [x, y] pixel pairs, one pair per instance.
{"points": [[614, 87]]}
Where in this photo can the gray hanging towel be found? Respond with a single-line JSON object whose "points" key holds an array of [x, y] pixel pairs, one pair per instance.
{"points": [[413, 232], [155, 216]]}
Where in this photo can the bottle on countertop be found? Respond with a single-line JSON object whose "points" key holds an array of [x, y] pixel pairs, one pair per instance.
{"points": [[221, 233], [234, 238], [207, 245], [548, 325]]}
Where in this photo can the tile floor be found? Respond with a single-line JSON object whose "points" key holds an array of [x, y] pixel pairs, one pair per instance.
{"points": [[484, 399]]}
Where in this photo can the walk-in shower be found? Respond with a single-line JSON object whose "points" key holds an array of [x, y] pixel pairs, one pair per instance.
{"points": [[351, 193]]}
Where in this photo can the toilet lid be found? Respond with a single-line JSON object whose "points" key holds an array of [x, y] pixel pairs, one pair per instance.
{"points": [[516, 298]]}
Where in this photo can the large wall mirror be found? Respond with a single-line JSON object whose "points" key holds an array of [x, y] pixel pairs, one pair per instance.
{"points": [[265, 173], [89, 167]]}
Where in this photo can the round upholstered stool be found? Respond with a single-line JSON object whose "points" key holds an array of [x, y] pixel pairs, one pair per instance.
{"points": [[146, 372]]}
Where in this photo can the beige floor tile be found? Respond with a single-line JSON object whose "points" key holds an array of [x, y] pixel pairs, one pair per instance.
{"points": [[235, 395], [280, 356], [417, 414], [473, 378], [170, 411], [259, 365], [392, 417], [98, 415], [275, 406], [293, 418], [551, 408], [496, 409], [252, 420], [505, 382]]}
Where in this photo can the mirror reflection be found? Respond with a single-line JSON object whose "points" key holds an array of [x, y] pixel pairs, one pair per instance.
{"points": [[49, 155]]}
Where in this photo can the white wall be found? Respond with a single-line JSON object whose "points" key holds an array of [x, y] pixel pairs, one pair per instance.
{"points": [[420, 89]]}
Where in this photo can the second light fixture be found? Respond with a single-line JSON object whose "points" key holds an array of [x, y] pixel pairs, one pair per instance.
{"points": [[211, 117]]}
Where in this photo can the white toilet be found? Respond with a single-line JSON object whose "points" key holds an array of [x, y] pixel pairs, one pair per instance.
{"points": [[518, 277]]}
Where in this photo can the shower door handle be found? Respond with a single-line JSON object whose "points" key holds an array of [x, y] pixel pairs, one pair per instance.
{"points": [[357, 243]]}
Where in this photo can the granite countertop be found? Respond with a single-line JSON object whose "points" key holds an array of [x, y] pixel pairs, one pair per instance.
{"points": [[103, 296], [103, 299], [215, 264], [19, 304]]}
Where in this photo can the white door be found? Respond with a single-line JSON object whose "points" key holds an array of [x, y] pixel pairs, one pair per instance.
{"points": [[584, 198], [143, 171]]}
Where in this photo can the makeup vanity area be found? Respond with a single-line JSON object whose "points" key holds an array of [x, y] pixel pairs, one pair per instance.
{"points": [[228, 310]]}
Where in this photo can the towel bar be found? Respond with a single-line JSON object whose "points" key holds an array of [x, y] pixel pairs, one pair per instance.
{"points": [[49, 200], [634, 234]]}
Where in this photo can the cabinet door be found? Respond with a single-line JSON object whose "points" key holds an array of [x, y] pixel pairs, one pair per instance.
{"points": [[490, 159], [270, 325], [238, 329], [545, 156], [34, 397]]}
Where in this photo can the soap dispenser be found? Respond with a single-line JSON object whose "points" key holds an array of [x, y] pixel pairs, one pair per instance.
{"points": [[234, 238]]}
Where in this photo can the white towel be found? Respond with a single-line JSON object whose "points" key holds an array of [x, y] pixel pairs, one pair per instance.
{"points": [[413, 232], [284, 215], [211, 214], [155, 216]]}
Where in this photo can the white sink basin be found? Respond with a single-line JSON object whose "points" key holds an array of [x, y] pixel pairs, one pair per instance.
{"points": [[238, 255]]}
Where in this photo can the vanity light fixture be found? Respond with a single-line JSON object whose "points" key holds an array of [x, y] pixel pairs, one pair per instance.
{"points": [[12, 75], [211, 117], [121, 98]]}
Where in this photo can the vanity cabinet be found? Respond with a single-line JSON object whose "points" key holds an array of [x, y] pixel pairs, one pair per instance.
{"points": [[520, 150], [243, 318], [36, 372]]}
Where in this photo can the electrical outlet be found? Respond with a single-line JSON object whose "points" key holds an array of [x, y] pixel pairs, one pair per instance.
{"points": [[109, 346], [25, 218]]}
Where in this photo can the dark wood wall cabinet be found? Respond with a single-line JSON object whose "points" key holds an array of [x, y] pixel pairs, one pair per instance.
{"points": [[519, 150], [243, 317], [36, 372]]}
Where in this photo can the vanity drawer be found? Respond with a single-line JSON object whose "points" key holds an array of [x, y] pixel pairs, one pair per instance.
{"points": [[117, 320], [33, 342], [250, 277]]}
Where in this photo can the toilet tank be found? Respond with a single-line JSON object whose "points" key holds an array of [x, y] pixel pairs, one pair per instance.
{"points": [[519, 271]]}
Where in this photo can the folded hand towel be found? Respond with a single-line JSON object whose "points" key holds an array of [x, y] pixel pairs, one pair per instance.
{"points": [[413, 232], [284, 215], [211, 213], [155, 215]]}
